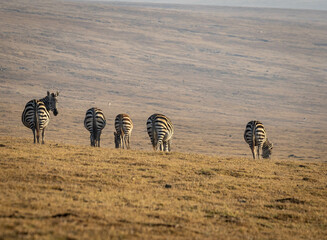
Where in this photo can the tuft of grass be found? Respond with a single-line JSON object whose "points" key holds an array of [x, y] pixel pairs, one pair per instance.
{"points": [[58, 191]]}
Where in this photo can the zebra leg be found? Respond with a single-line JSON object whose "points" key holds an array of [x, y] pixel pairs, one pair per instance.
{"points": [[43, 135], [121, 141], [252, 150], [127, 141], [33, 130], [124, 142], [128, 136], [164, 143], [258, 151], [168, 146], [98, 140]]}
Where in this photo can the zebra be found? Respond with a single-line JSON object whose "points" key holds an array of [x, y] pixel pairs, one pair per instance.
{"points": [[94, 122], [255, 135], [124, 127], [36, 114], [160, 130]]}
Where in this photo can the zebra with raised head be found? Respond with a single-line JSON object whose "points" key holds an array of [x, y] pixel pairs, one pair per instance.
{"points": [[124, 127], [36, 114], [94, 122], [255, 135], [160, 130]]}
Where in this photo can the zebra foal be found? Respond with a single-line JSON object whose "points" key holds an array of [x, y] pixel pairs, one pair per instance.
{"points": [[124, 127], [36, 114], [160, 130], [255, 135], [94, 122]]}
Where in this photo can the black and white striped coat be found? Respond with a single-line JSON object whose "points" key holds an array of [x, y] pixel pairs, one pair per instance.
{"points": [[160, 130], [94, 122], [255, 135], [36, 114], [124, 127]]}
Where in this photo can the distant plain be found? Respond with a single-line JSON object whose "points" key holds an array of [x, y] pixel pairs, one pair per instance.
{"points": [[210, 69]]}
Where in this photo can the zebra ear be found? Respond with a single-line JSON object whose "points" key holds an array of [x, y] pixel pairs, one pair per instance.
{"points": [[48, 93]]}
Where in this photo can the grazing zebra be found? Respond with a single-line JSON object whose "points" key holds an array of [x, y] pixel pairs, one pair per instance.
{"points": [[124, 127], [94, 122], [255, 135], [36, 114], [160, 130]]}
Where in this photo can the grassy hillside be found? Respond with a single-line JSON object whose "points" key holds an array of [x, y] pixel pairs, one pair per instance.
{"points": [[57, 191]]}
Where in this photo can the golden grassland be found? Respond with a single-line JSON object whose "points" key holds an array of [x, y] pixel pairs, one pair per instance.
{"points": [[57, 191]]}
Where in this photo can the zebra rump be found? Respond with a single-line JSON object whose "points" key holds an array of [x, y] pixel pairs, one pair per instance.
{"points": [[255, 135], [124, 127], [160, 130], [94, 122], [36, 117]]}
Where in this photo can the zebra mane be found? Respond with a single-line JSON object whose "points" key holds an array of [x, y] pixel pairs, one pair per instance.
{"points": [[46, 102]]}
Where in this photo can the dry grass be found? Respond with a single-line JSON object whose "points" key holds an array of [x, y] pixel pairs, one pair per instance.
{"points": [[57, 191]]}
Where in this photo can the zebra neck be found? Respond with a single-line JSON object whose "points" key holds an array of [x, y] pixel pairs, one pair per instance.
{"points": [[46, 102]]}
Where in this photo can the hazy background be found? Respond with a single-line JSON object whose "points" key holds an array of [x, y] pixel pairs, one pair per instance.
{"points": [[292, 4], [210, 69]]}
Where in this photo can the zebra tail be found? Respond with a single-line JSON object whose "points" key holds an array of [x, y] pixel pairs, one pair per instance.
{"points": [[122, 135], [94, 130], [253, 135], [155, 136], [36, 118]]}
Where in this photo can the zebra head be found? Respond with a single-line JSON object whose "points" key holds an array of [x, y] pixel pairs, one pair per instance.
{"points": [[53, 102], [117, 140], [267, 149]]}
